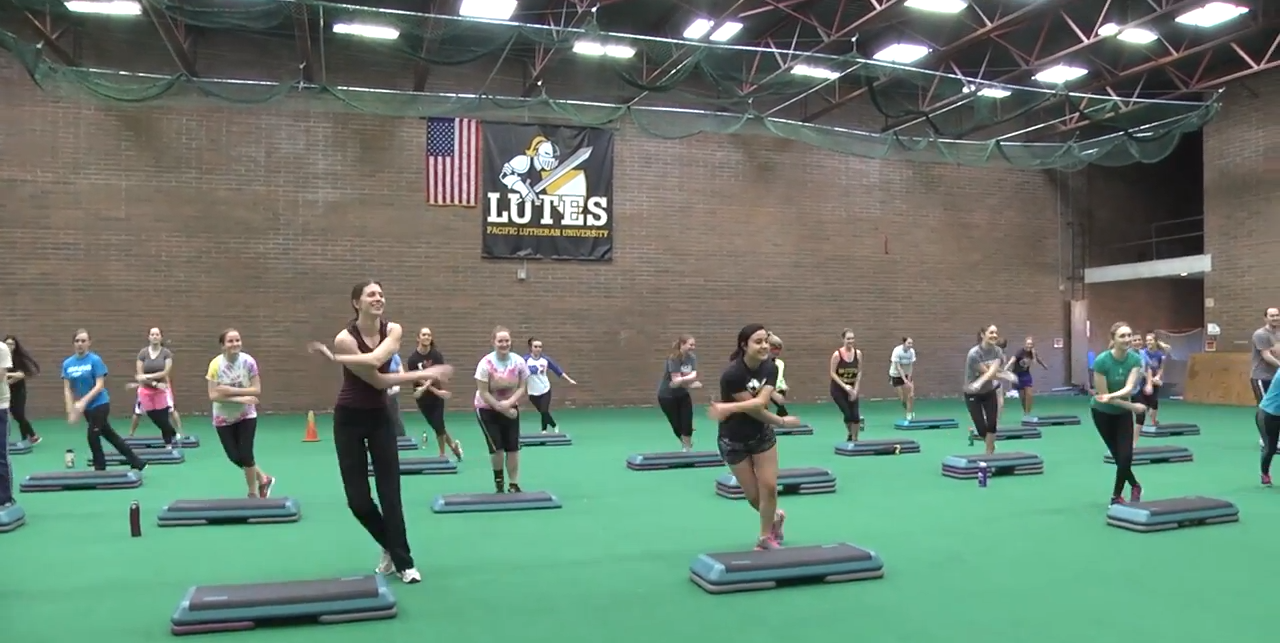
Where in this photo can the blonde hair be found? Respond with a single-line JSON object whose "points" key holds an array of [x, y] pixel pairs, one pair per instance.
{"points": [[774, 340], [1159, 343]]}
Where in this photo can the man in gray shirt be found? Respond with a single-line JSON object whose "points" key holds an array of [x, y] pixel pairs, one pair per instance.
{"points": [[1264, 362]]}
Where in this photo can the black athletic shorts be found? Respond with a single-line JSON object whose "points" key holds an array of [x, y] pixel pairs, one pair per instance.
{"points": [[735, 452], [501, 433], [897, 382]]}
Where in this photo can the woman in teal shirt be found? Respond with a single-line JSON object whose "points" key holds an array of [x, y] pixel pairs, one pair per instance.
{"points": [[1115, 377]]}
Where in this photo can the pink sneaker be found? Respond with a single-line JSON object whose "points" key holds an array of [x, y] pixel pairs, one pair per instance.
{"points": [[264, 486], [1135, 493], [767, 542], [779, 518], [1266, 480]]}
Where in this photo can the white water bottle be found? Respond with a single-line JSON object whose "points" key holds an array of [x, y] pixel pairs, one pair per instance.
{"points": [[70, 459]]}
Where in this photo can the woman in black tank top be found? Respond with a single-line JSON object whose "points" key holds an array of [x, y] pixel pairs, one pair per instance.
{"points": [[845, 371], [362, 430]]}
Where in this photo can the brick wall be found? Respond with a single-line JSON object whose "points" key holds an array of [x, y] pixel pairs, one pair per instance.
{"points": [[195, 216], [1242, 208]]}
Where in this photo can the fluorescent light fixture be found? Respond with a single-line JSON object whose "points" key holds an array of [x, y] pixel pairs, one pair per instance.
{"points": [[592, 48], [815, 72], [488, 9], [988, 92], [1108, 30], [113, 8], [698, 28], [1137, 36], [901, 53], [1182, 274], [1060, 74], [366, 31], [726, 31], [938, 6], [1212, 14], [619, 51]]}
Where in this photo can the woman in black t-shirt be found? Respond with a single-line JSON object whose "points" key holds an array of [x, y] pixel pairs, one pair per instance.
{"points": [[747, 442], [431, 395]]}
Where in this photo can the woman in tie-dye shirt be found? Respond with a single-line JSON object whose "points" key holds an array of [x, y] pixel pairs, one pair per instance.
{"points": [[502, 377], [234, 387]]}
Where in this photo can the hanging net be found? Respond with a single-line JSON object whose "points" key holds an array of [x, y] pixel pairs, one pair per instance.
{"points": [[668, 89]]}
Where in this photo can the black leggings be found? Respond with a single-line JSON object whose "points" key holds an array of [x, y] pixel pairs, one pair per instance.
{"points": [[361, 437], [162, 418], [432, 409], [679, 411], [984, 410], [18, 409], [98, 425], [1116, 430], [237, 441], [1269, 427], [543, 404]]}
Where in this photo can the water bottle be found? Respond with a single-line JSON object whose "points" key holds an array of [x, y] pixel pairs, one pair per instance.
{"points": [[70, 459], [135, 519], [972, 434], [983, 473]]}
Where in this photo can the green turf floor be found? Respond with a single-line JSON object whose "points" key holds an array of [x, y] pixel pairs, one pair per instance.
{"points": [[1028, 558]]}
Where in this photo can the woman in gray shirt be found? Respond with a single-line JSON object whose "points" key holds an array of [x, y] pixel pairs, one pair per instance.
{"points": [[152, 381], [983, 370], [679, 375]]}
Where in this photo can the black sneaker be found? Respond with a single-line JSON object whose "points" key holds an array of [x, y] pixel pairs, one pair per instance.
{"points": [[514, 488]]}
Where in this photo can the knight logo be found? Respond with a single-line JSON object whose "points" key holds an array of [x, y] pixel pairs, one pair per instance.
{"points": [[545, 189]]}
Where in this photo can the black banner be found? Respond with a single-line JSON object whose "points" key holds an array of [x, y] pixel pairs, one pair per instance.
{"points": [[548, 193]]}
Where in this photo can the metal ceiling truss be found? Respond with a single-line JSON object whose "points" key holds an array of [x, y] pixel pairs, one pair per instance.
{"points": [[49, 37], [175, 36], [572, 14]]}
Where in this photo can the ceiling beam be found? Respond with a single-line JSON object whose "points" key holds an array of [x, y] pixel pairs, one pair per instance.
{"points": [[48, 42], [170, 32], [583, 11], [302, 34]]}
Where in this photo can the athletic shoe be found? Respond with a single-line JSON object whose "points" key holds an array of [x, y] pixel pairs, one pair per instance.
{"points": [[779, 517], [411, 576], [264, 487], [456, 447], [385, 566], [35, 439], [1117, 500], [514, 488], [767, 542], [498, 488], [1135, 493], [544, 431], [1266, 480]]}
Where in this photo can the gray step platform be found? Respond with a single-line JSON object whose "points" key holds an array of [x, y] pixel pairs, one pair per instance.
{"points": [[477, 502], [798, 481], [755, 570], [1172, 513], [674, 460], [545, 440], [1013, 463], [877, 447], [231, 608], [157, 442], [1170, 430], [1156, 455], [229, 511], [11, 518], [1051, 420], [926, 424], [803, 429], [21, 447], [71, 480], [149, 456], [407, 443], [1012, 433], [425, 466]]}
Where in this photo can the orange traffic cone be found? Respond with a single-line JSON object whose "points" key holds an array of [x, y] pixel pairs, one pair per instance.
{"points": [[311, 435]]}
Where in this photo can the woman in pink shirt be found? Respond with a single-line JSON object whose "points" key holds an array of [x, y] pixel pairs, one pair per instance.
{"points": [[501, 380]]}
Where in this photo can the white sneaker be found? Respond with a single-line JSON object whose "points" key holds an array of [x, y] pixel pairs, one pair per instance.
{"points": [[411, 576], [385, 566]]}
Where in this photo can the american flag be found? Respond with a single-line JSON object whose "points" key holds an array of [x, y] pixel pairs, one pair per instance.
{"points": [[453, 162]]}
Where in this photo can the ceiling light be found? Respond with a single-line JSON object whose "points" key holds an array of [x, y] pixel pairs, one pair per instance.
{"points": [[619, 51], [366, 31], [1211, 14], [114, 8], [588, 48], [488, 9], [698, 28], [901, 53], [1137, 36], [938, 6], [726, 31], [815, 72], [1108, 30], [993, 92], [1060, 74]]}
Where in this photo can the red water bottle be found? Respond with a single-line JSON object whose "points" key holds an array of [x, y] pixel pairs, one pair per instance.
{"points": [[135, 519]]}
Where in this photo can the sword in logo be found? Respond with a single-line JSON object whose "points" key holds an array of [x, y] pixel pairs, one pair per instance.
{"points": [[564, 168]]}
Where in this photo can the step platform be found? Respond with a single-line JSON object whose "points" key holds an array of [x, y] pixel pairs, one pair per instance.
{"points": [[799, 481], [1010, 433], [1013, 463], [877, 447], [755, 570], [477, 502], [803, 429], [232, 608], [674, 460], [926, 424], [545, 440], [1170, 430], [71, 480], [21, 447], [157, 442], [149, 456], [229, 511], [407, 443], [1156, 455], [425, 466], [1051, 420], [11, 518], [1172, 513]]}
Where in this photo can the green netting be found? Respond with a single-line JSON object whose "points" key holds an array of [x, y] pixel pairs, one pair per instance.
{"points": [[718, 89]]}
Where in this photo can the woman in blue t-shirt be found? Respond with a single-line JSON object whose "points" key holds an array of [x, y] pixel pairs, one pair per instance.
{"points": [[84, 388]]}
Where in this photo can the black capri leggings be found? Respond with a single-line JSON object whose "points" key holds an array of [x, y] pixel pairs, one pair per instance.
{"points": [[501, 433], [1269, 427], [851, 410], [364, 437], [679, 412], [432, 408], [543, 404], [1116, 430], [237, 441], [984, 410]]}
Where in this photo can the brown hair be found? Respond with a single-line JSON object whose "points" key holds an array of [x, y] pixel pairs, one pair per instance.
{"points": [[222, 337], [1115, 327], [358, 290], [675, 346], [983, 331], [847, 331], [79, 332], [499, 329]]}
